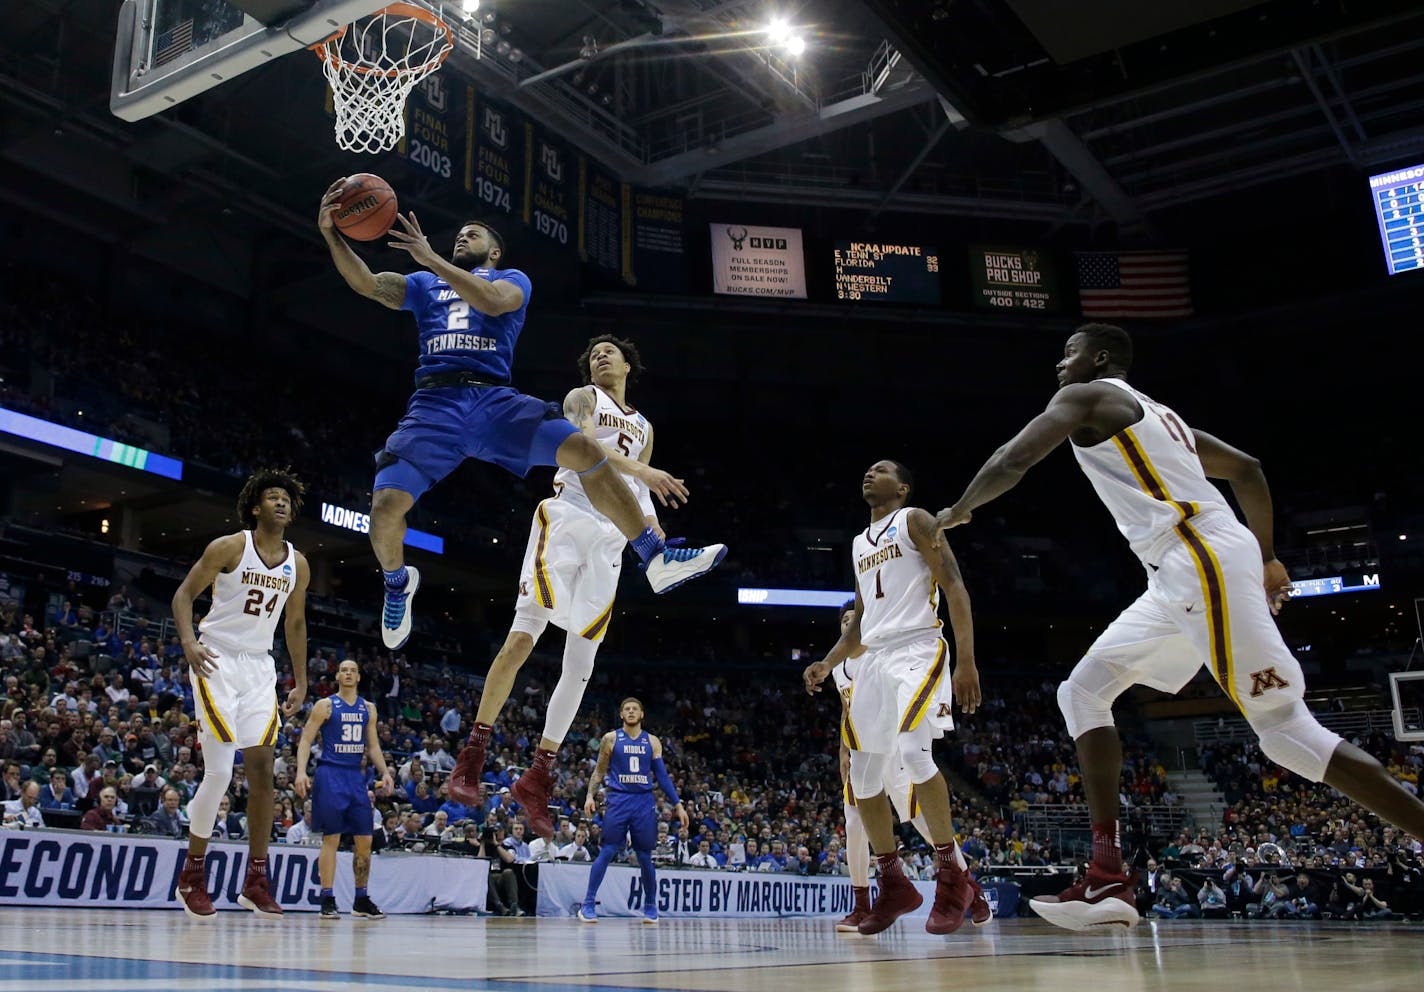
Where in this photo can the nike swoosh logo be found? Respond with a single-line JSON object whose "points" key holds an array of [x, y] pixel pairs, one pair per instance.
{"points": [[1091, 893]]}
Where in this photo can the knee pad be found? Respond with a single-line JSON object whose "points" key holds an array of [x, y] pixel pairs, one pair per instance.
{"points": [[867, 773], [917, 757], [1086, 698], [527, 624], [1294, 739]]}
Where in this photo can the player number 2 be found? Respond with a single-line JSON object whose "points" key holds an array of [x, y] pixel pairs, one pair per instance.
{"points": [[879, 592], [253, 606], [458, 318], [633, 763]]}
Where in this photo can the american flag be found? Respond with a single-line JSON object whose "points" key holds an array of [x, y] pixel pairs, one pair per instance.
{"points": [[176, 41], [1134, 284]]}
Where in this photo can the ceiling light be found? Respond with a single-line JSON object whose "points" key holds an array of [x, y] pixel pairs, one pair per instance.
{"points": [[796, 45], [502, 47], [487, 36], [470, 6], [515, 55], [779, 31]]}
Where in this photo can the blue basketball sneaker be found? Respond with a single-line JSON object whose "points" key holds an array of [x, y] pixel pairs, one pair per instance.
{"points": [[672, 566], [650, 915], [586, 913], [396, 615]]}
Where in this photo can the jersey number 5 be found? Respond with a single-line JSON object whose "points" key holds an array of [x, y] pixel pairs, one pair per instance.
{"points": [[253, 606], [623, 445]]}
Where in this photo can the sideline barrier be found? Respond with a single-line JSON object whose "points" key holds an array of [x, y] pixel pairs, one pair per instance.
{"points": [[120, 871], [726, 894]]}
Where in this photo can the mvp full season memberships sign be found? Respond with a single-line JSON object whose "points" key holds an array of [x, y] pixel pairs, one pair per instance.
{"points": [[758, 261]]}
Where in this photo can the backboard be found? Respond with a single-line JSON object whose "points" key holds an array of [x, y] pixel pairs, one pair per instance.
{"points": [[168, 51]]}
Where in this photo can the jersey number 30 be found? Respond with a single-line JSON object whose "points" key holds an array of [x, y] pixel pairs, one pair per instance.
{"points": [[253, 606], [351, 731]]}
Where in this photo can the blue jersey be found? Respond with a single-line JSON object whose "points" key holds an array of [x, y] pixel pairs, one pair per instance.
{"points": [[343, 735], [630, 769], [454, 336]]}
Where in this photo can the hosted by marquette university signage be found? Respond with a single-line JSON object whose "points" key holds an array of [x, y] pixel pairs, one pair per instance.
{"points": [[340, 516], [122, 871], [724, 893]]}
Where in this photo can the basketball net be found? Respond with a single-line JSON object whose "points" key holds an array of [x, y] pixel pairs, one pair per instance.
{"points": [[373, 64]]}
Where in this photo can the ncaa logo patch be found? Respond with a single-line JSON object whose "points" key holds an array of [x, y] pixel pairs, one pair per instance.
{"points": [[287, 570], [891, 532]]}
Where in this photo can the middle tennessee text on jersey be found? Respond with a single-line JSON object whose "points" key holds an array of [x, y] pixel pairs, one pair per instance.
{"points": [[454, 336], [630, 769]]}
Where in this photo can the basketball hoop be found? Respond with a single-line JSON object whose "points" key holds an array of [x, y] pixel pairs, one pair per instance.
{"points": [[373, 64]]}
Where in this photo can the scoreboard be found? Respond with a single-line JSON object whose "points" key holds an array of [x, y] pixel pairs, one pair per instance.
{"points": [[1401, 217], [886, 273]]}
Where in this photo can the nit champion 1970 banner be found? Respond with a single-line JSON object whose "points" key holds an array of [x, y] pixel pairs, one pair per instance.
{"points": [[128, 871], [550, 180]]}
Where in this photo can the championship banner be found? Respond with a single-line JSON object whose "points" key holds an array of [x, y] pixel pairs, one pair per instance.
{"points": [[1008, 279], [655, 256], [549, 190], [436, 118], [123, 871], [758, 261], [702, 894], [494, 155], [600, 217]]}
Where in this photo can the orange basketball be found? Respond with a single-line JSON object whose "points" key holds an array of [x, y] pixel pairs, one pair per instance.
{"points": [[367, 207]]}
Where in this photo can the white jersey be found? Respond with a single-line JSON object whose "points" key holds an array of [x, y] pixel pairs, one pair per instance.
{"points": [[617, 428], [844, 674], [1149, 476], [898, 594], [248, 601]]}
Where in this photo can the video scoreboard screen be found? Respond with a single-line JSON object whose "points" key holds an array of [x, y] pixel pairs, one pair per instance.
{"points": [[1401, 217], [887, 273], [1333, 585]]}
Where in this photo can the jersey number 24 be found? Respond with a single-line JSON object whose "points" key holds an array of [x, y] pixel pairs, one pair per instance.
{"points": [[253, 606]]}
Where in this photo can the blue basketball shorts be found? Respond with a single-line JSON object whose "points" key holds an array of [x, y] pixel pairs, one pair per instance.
{"points": [[444, 426], [340, 804], [631, 815]]}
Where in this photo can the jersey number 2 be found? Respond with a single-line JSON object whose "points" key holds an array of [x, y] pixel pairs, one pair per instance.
{"points": [[253, 606], [458, 316]]}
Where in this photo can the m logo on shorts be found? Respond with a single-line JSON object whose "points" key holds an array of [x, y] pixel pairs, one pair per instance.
{"points": [[1266, 679], [943, 711]]}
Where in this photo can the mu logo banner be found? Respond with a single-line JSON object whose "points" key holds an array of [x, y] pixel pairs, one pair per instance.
{"points": [[1266, 679]]}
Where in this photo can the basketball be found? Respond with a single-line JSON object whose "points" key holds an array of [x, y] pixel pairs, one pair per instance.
{"points": [[367, 207]]}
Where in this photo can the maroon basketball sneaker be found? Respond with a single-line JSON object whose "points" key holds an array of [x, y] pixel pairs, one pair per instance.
{"points": [[192, 892], [256, 896], [897, 897], [531, 790], [954, 893], [858, 913], [979, 911], [465, 779], [1097, 900]]}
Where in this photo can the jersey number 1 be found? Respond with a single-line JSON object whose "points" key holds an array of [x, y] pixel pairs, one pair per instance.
{"points": [[879, 592], [253, 606]]}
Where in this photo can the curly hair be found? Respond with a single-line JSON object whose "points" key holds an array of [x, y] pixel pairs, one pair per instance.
{"points": [[258, 483], [630, 355]]}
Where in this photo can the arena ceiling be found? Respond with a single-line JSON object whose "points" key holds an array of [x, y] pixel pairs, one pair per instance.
{"points": [[969, 107]]}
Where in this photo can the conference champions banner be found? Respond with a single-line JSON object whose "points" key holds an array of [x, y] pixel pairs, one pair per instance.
{"points": [[120, 871], [703, 894], [758, 261]]}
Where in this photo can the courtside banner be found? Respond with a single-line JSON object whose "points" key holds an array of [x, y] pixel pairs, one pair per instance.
{"points": [[118, 871], [725, 894], [758, 261]]}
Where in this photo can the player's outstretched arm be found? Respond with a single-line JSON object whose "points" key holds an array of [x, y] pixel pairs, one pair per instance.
{"points": [[1248, 484], [816, 672], [491, 298], [221, 555], [387, 288], [665, 781], [1071, 408], [373, 748], [319, 714], [945, 569], [294, 625]]}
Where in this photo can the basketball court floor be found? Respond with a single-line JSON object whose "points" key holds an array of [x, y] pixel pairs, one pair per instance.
{"points": [[137, 951]]}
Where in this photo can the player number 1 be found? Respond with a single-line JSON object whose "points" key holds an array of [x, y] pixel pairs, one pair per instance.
{"points": [[879, 592]]}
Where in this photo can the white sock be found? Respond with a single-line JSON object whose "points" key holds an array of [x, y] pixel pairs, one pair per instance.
{"points": [[857, 847], [218, 759], [573, 680]]}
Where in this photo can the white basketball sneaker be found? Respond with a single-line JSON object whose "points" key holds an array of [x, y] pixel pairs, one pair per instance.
{"points": [[396, 615], [671, 567]]}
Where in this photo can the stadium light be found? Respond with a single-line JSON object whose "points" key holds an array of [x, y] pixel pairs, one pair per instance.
{"points": [[779, 31], [470, 6], [796, 46]]}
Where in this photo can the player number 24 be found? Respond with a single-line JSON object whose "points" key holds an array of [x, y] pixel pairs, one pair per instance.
{"points": [[253, 606]]}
